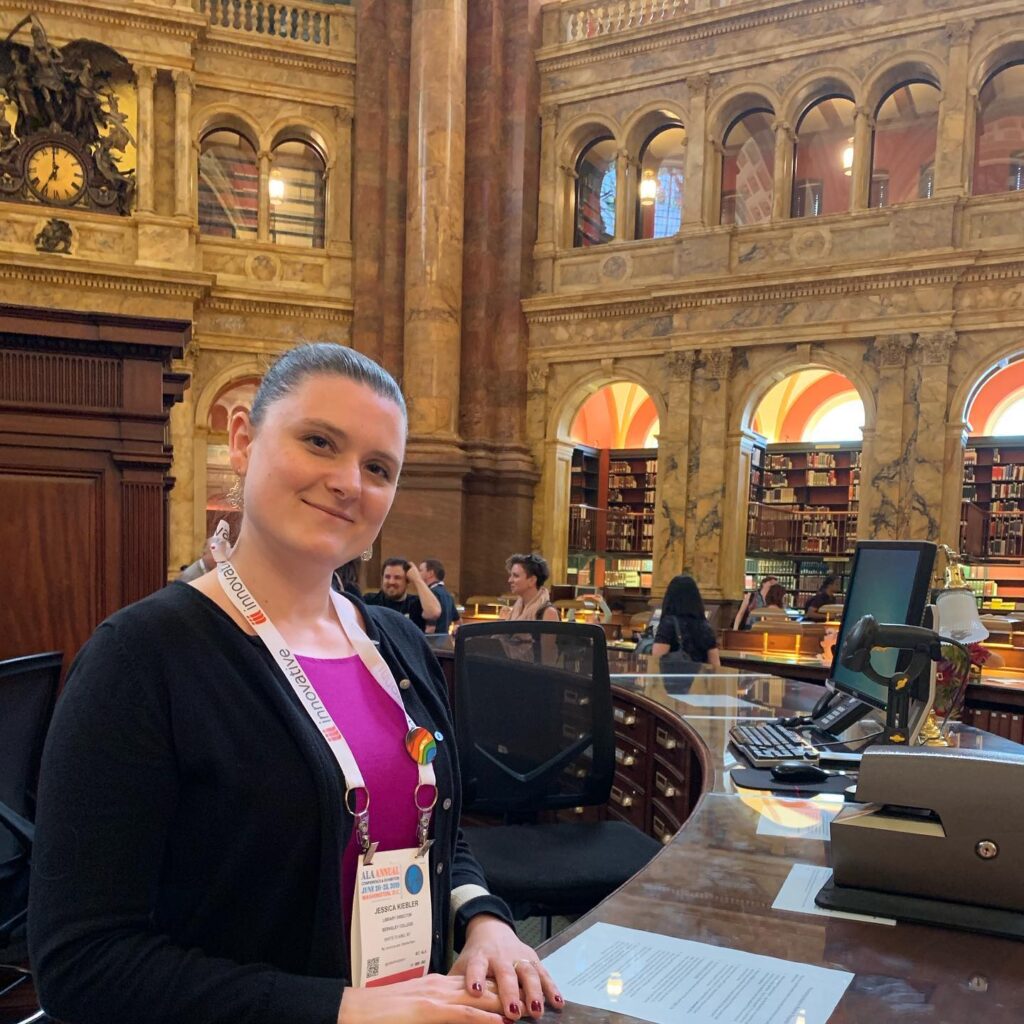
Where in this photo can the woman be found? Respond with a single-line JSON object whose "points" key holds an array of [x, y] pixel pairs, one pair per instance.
{"points": [[527, 575], [774, 601], [684, 626], [195, 857], [752, 600]]}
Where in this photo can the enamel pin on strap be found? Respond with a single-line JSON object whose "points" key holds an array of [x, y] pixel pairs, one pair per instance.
{"points": [[419, 742]]}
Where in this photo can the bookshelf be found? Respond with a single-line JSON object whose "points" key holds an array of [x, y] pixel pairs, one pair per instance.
{"points": [[992, 521], [611, 516], [800, 577]]}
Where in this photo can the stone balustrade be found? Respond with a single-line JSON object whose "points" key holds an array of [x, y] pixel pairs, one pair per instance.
{"points": [[578, 22], [312, 24]]}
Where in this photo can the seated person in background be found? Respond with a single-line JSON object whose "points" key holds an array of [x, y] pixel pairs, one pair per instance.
{"points": [[827, 595], [684, 625], [774, 603], [751, 601], [398, 577], [527, 575], [432, 572]]}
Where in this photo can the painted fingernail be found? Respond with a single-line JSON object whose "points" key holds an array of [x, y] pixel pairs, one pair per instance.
{"points": [[477, 987], [559, 1000], [513, 1008], [535, 1006]]}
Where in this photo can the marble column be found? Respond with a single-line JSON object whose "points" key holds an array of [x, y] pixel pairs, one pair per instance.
{"points": [[434, 221], [626, 185], [551, 196], [263, 198], [953, 475], [712, 198], [554, 494], [738, 457], [182, 544], [184, 150], [707, 485], [145, 78], [782, 177], [339, 182], [673, 473], [696, 157], [883, 457], [954, 148], [863, 130], [925, 480]]}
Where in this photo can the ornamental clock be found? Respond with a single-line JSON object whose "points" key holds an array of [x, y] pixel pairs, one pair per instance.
{"points": [[55, 172]]}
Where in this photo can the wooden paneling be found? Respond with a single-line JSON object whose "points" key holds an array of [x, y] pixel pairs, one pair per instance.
{"points": [[51, 541], [84, 462]]}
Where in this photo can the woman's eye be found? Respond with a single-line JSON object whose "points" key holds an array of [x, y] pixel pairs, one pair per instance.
{"points": [[379, 470], [318, 441]]}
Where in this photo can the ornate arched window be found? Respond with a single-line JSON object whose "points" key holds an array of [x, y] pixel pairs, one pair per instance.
{"points": [[999, 142], [297, 191], [748, 168], [596, 190], [823, 165], [228, 185], [659, 209], [903, 149]]}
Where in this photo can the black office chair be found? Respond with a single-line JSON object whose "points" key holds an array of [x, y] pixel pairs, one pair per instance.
{"points": [[535, 733], [28, 689]]}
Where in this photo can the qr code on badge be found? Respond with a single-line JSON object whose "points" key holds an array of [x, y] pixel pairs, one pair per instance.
{"points": [[373, 967]]}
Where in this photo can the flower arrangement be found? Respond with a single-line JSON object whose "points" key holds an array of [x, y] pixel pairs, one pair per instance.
{"points": [[950, 673]]}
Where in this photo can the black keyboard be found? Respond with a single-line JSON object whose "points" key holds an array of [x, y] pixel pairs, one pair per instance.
{"points": [[763, 744]]}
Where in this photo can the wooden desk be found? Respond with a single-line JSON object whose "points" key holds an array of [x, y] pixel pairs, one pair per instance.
{"points": [[716, 879]]}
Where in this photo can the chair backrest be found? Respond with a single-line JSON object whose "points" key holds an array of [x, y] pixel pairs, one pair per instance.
{"points": [[533, 716], [28, 689]]}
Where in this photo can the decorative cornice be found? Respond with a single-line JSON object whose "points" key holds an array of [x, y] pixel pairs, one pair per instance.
{"points": [[81, 277], [265, 53], [702, 294], [170, 22], [635, 43], [259, 307], [892, 349], [960, 31], [936, 346]]}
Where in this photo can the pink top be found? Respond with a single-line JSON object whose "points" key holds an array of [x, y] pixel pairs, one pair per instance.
{"points": [[374, 728]]}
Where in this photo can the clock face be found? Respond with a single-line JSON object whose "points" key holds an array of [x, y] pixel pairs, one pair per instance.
{"points": [[55, 174]]}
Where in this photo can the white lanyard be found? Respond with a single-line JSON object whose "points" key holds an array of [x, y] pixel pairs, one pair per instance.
{"points": [[419, 742]]}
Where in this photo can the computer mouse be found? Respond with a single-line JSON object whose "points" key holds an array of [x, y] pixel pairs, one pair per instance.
{"points": [[798, 771]]}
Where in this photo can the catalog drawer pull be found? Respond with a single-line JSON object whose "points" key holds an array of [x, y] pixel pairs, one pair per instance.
{"points": [[622, 799], [625, 717], [628, 760], [662, 832], [665, 739], [663, 786]]}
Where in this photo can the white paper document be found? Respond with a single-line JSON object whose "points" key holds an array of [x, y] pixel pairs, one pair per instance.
{"points": [[710, 700], [801, 886], [671, 981], [799, 819]]}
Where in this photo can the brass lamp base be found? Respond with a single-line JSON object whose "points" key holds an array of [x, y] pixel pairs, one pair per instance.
{"points": [[931, 734]]}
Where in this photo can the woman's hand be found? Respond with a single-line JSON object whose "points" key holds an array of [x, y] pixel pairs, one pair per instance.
{"points": [[435, 999], [493, 950]]}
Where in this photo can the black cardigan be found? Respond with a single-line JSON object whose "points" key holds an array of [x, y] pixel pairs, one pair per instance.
{"points": [[190, 826]]}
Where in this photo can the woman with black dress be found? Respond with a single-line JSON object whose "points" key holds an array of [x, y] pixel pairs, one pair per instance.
{"points": [[684, 626]]}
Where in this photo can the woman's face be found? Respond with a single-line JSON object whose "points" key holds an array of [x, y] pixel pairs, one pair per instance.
{"points": [[519, 583], [320, 471]]}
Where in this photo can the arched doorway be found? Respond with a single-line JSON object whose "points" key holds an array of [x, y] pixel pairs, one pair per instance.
{"points": [[613, 482], [992, 508], [220, 477], [804, 497]]}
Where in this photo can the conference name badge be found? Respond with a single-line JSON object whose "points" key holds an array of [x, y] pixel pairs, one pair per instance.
{"points": [[391, 919]]}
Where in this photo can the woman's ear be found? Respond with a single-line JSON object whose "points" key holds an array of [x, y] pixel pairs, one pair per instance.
{"points": [[241, 434]]}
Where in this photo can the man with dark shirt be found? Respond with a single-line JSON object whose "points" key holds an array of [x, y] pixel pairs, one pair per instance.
{"points": [[826, 595], [402, 589], [432, 572]]}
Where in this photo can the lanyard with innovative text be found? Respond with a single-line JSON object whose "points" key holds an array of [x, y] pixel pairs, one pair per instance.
{"points": [[419, 742]]}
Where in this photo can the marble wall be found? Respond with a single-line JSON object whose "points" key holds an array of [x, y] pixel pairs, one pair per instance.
{"points": [[913, 303]]}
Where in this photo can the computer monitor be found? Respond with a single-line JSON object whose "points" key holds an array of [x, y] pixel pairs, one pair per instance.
{"points": [[889, 580]]}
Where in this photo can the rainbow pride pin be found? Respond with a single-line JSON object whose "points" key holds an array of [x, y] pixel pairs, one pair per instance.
{"points": [[420, 744]]}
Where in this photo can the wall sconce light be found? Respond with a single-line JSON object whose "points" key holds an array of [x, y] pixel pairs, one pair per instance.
{"points": [[648, 189], [848, 158], [275, 189]]}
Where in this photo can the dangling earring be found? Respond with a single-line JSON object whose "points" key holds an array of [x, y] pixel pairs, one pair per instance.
{"points": [[234, 496], [367, 554]]}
